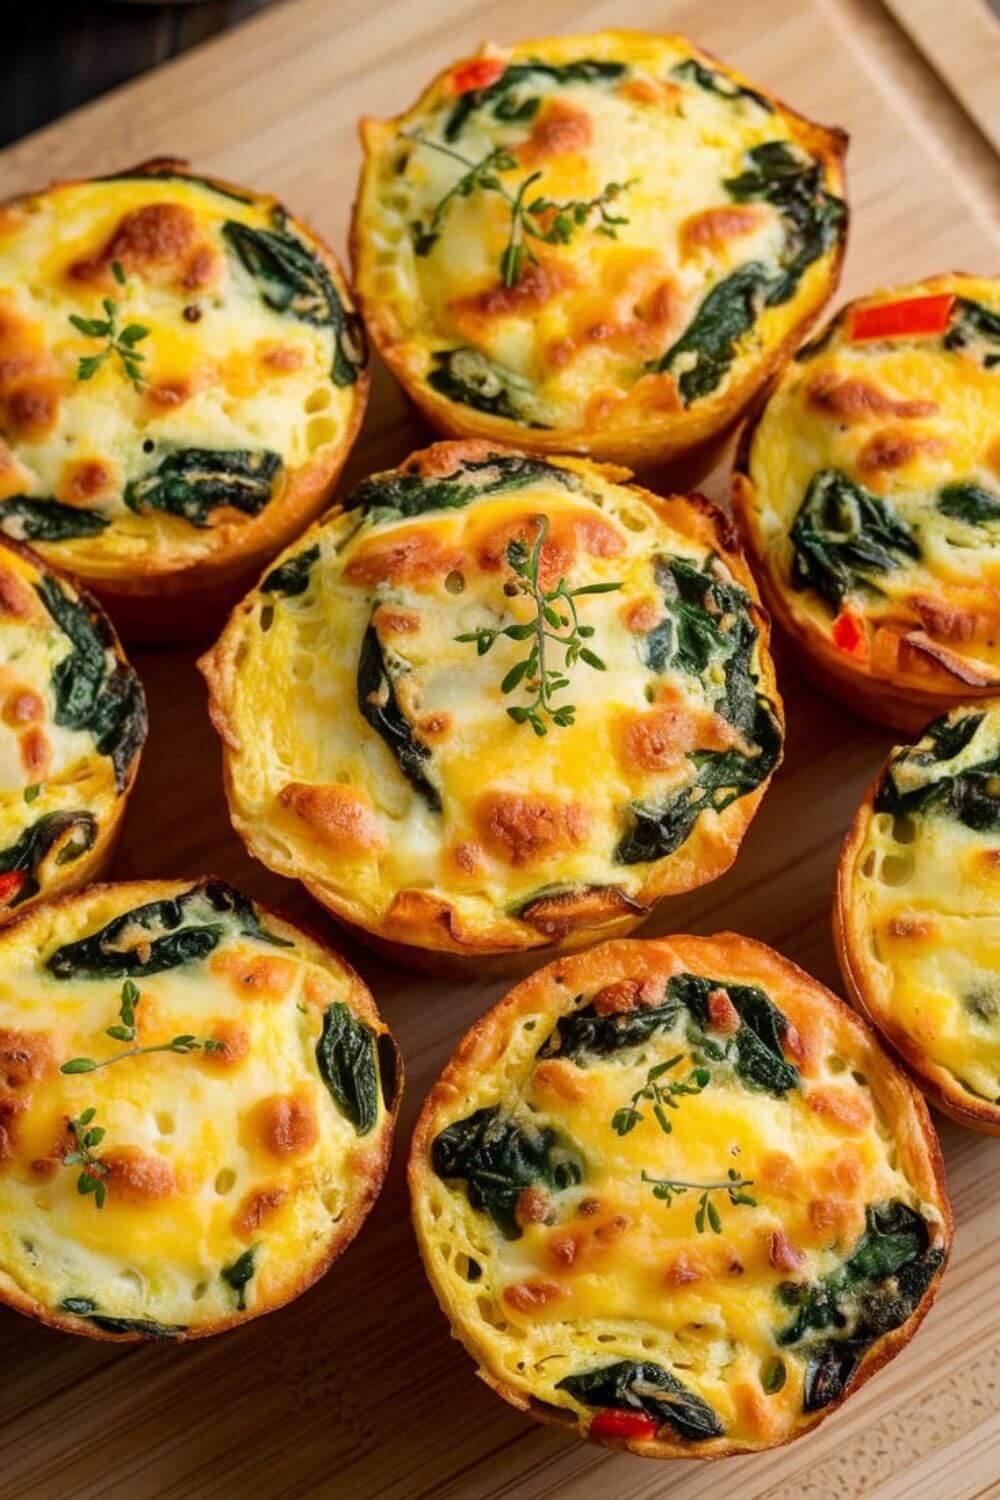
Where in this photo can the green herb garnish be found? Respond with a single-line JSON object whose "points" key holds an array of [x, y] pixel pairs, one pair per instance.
{"points": [[91, 1179], [548, 625], [182, 1045], [662, 1096], [668, 1188], [119, 341]]}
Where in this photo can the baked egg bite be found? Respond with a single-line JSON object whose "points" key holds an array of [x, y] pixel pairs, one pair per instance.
{"points": [[72, 727], [674, 1197], [498, 703], [597, 244], [917, 917], [868, 492], [182, 374], [197, 1109]]}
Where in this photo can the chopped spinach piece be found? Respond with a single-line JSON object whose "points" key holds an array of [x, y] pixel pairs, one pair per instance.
{"points": [[193, 482], [629, 1385], [291, 577], [162, 935], [28, 520], [971, 796], [713, 82], [93, 689], [292, 279], [656, 829], [707, 347], [878, 1287], [509, 97], [843, 535], [401, 494], [84, 1307], [969, 503], [468, 377], [983, 1004], [585, 1033], [792, 181], [240, 1274], [497, 1157], [379, 705], [976, 329], [345, 1056], [36, 841]]}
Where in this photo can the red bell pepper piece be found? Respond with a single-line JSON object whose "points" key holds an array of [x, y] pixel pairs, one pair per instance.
{"points": [[849, 635], [477, 74], [10, 884], [912, 318], [623, 1424]]}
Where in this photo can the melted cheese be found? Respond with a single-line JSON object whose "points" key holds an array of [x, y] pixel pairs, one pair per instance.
{"points": [[904, 418], [602, 1270], [320, 795], [207, 1154], [924, 895], [577, 339], [49, 770], [222, 369]]}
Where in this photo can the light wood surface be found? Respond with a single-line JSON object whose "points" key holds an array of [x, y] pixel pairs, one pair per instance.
{"points": [[356, 1390]]}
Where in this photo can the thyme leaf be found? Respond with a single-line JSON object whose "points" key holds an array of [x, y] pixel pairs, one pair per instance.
{"points": [[118, 341], [662, 1096], [86, 1136], [668, 1188]]}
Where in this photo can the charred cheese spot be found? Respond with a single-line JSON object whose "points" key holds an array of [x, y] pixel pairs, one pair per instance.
{"points": [[711, 1246], [136, 1177], [714, 228], [339, 816], [85, 480], [257, 1208], [286, 1125], [262, 977], [525, 830]]}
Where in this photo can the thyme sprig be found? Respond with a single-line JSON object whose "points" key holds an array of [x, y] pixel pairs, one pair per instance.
{"points": [[550, 625], [125, 1031], [119, 341], [86, 1137], [549, 220], [661, 1096], [668, 1188]]}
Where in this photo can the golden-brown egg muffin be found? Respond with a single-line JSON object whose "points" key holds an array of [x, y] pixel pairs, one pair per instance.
{"points": [[598, 244], [674, 1197], [917, 916], [182, 374], [198, 1103], [869, 494], [499, 703], [72, 727]]}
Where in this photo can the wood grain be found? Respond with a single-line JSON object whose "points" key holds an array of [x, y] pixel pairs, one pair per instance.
{"points": [[356, 1390]]}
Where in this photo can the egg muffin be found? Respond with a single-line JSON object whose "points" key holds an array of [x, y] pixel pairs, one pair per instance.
{"points": [[182, 374], [869, 496], [197, 1110], [917, 918], [498, 703], [72, 727], [674, 1197], [597, 244]]}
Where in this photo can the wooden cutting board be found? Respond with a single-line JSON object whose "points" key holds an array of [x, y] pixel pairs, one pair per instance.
{"points": [[356, 1390]]}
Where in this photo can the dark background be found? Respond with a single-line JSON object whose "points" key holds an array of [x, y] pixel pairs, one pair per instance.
{"points": [[60, 53]]}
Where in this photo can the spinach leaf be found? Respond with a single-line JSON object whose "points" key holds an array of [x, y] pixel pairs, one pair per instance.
{"points": [[291, 577], [842, 536], [878, 1287], [169, 173], [345, 1056], [162, 935], [969, 795], [975, 328], [83, 1307], [93, 689], [292, 279], [497, 1157], [632, 1386], [585, 1033], [969, 503], [656, 829], [239, 1275], [787, 177], [379, 706], [692, 71], [28, 520], [400, 494], [192, 482], [35, 843], [509, 97], [756, 1049], [707, 346], [468, 377]]}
